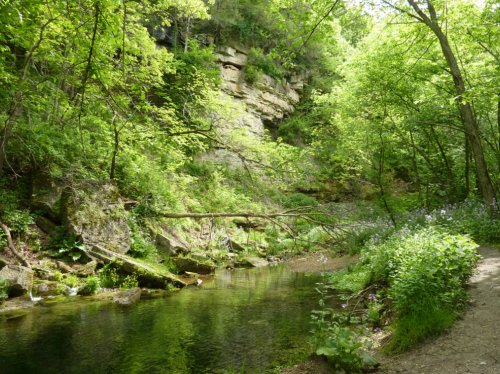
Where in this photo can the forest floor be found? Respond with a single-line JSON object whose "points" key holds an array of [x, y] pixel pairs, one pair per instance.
{"points": [[472, 345]]}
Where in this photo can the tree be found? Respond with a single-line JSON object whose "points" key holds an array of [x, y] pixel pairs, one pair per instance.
{"points": [[431, 20]]}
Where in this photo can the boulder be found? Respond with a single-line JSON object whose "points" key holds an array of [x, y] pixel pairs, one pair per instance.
{"points": [[185, 264], [86, 270], [235, 246], [47, 225], [169, 246], [146, 275], [64, 268], [254, 262], [45, 288], [46, 194], [128, 297], [15, 308], [93, 211], [19, 279]]}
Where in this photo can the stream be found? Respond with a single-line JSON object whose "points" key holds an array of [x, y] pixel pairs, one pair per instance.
{"points": [[258, 317]]}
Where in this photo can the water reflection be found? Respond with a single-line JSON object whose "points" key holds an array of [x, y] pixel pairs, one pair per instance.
{"points": [[256, 316]]}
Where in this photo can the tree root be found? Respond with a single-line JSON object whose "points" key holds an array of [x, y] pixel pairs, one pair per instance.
{"points": [[12, 247]]}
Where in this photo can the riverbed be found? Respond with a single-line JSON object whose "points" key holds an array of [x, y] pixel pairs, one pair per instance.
{"points": [[255, 317]]}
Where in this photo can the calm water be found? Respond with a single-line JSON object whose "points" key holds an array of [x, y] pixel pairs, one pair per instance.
{"points": [[258, 317]]}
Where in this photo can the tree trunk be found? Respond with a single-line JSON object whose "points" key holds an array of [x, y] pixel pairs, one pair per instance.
{"points": [[465, 108], [115, 151], [417, 174], [15, 114], [467, 167]]}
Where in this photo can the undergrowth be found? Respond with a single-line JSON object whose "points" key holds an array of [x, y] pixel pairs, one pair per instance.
{"points": [[420, 266]]}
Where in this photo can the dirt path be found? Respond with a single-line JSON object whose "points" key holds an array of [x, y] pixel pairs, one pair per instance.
{"points": [[473, 343]]}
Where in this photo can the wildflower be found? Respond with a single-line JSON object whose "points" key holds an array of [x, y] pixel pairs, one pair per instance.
{"points": [[344, 305], [377, 329]]}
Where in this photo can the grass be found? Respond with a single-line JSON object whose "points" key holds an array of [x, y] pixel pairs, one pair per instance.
{"points": [[415, 327]]}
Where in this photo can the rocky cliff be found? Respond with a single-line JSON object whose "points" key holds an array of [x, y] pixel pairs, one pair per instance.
{"points": [[266, 101]]}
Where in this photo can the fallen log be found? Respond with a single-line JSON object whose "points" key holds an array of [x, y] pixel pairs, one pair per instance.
{"points": [[145, 274]]}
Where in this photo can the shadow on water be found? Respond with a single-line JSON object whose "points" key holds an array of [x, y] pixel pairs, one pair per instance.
{"points": [[259, 317]]}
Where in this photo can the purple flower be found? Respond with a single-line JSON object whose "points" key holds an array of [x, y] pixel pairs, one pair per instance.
{"points": [[344, 305], [377, 329]]}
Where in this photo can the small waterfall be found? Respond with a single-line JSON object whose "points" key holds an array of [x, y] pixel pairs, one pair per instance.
{"points": [[35, 299], [72, 291]]}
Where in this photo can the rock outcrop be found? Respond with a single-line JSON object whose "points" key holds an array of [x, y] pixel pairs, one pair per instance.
{"points": [[268, 100], [170, 245], [19, 279], [46, 194], [254, 262], [185, 264], [93, 211]]}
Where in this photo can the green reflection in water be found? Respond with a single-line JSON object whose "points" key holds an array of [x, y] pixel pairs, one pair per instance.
{"points": [[258, 316]]}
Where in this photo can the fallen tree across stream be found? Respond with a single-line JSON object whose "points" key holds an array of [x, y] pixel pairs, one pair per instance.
{"points": [[336, 231]]}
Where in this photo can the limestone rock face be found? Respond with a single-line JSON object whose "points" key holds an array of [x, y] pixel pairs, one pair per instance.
{"points": [[93, 211], [189, 265], [46, 194], [226, 54], [46, 225], [169, 246], [266, 99], [19, 278]]}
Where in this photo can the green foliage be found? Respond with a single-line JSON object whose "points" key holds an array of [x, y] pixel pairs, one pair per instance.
{"points": [[67, 248], [57, 275], [296, 200], [342, 345], [259, 64], [91, 285], [71, 280], [424, 269], [4, 289], [110, 277], [252, 73]]}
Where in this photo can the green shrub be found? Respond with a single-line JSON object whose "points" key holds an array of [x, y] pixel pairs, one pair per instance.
{"points": [[71, 281], [333, 338], [90, 286], [424, 270], [56, 275], [110, 277], [252, 73], [296, 200], [4, 289], [140, 247], [67, 248]]}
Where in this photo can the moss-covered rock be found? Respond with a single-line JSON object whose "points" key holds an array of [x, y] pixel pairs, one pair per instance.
{"points": [[184, 264], [93, 211], [19, 279]]}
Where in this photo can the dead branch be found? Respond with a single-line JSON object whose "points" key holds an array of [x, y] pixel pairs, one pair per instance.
{"points": [[12, 246]]}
